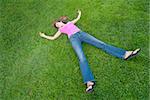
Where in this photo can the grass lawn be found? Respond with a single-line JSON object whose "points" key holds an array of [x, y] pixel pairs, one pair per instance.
{"points": [[32, 68]]}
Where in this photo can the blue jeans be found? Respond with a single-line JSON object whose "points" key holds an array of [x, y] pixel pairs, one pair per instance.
{"points": [[76, 41]]}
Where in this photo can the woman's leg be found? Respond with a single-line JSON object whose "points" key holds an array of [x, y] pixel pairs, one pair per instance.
{"points": [[84, 66], [118, 52]]}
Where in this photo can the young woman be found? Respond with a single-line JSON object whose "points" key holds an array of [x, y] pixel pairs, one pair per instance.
{"points": [[76, 37]]}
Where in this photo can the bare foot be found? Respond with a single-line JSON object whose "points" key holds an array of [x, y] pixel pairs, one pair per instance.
{"points": [[127, 54]]}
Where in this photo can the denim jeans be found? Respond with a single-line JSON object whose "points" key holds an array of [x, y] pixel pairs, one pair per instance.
{"points": [[76, 41]]}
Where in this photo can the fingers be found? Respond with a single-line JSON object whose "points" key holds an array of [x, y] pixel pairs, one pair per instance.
{"points": [[41, 34], [79, 11]]}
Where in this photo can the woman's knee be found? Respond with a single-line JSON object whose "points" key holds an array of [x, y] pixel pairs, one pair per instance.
{"points": [[82, 58]]}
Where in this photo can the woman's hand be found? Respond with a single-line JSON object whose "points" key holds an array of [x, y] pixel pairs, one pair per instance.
{"points": [[79, 11], [41, 34], [57, 34], [78, 17]]}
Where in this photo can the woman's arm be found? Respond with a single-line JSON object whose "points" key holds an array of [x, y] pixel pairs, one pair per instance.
{"points": [[78, 17], [57, 34]]}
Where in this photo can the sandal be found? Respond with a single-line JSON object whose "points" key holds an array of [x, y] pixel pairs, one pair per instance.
{"points": [[90, 88], [133, 54]]}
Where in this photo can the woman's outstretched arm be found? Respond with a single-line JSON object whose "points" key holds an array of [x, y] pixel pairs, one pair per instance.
{"points": [[57, 34], [78, 17]]}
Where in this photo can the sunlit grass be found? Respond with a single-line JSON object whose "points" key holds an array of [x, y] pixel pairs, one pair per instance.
{"points": [[35, 68]]}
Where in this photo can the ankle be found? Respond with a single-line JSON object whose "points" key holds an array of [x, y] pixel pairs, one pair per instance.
{"points": [[127, 53], [89, 83]]}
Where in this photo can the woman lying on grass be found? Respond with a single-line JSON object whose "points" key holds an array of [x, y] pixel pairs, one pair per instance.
{"points": [[76, 37]]}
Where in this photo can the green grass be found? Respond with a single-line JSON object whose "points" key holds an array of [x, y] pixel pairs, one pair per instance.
{"points": [[32, 68]]}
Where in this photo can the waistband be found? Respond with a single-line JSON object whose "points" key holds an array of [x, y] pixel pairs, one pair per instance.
{"points": [[74, 34]]}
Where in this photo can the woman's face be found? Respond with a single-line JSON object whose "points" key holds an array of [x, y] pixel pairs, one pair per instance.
{"points": [[59, 24]]}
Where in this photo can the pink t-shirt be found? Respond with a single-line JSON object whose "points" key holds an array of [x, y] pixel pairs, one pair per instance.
{"points": [[69, 29]]}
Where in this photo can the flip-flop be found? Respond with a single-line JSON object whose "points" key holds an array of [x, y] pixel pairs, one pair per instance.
{"points": [[133, 54], [90, 89]]}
